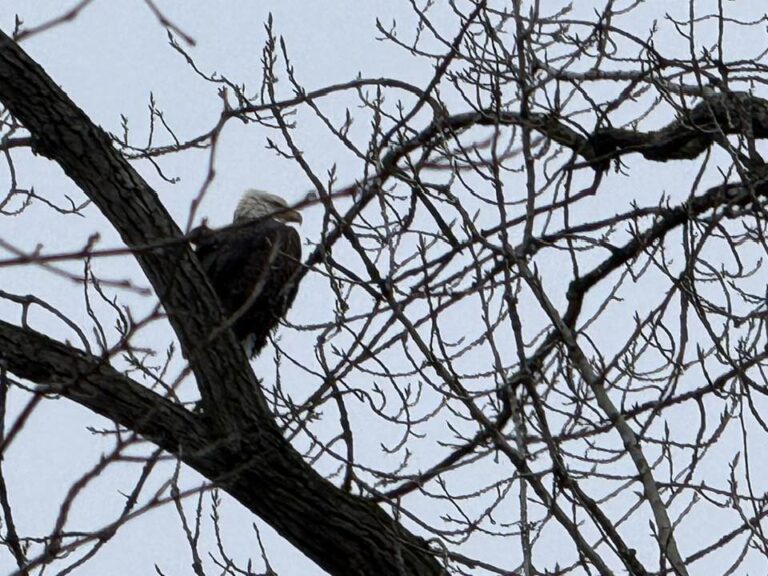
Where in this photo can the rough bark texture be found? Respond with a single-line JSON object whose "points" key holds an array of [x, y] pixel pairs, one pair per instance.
{"points": [[237, 443]]}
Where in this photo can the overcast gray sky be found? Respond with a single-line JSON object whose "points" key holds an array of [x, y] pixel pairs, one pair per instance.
{"points": [[109, 60]]}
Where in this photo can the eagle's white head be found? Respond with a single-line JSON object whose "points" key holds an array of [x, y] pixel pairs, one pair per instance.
{"points": [[256, 204]]}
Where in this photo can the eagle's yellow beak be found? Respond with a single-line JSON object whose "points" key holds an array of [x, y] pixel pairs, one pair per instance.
{"points": [[291, 216]]}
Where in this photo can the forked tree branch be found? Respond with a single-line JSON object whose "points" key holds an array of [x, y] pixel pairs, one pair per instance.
{"points": [[236, 444]]}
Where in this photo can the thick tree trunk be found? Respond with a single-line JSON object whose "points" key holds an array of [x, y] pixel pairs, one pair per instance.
{"points": [[237, 444]]}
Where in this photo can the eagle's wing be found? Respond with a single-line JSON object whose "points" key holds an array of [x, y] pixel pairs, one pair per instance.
{"points": [[253, 272]]}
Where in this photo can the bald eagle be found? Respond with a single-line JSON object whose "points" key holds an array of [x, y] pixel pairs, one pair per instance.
{"points": [[252, 265]]}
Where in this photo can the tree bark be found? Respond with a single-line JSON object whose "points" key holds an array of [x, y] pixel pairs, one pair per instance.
{"points": [[236, 444]]}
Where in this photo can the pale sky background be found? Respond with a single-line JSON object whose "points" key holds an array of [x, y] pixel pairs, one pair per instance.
{"points": [[109, 60]]}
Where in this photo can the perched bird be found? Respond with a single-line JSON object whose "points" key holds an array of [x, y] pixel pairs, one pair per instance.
{"points": [[252, 265]]}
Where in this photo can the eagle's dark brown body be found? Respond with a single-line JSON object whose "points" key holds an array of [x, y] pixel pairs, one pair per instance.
{"points": [[252, 268]]}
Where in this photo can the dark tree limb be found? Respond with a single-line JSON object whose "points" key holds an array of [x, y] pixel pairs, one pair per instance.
{"points": [[11, 535], [683, 139], [237, 444], [93, 383], [62, 132]]}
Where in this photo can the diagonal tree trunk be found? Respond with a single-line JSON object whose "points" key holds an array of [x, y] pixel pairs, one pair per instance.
{"points": [[236, 444]]}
